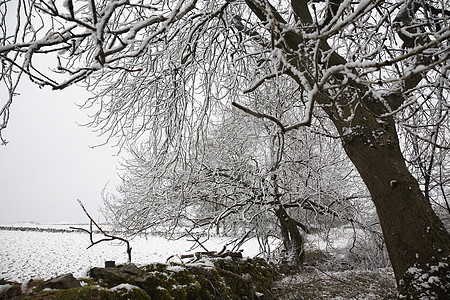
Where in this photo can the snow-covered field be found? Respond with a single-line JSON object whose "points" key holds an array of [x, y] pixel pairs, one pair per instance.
{"points": [[42, 254], [33, 254]]}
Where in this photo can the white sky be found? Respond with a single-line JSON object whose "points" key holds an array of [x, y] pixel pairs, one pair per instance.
{"points": [[48, 164]]}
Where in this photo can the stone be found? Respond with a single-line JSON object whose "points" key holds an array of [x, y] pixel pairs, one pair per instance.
{"points": [[110, 276], [13, 291], [131, 269], [114, 276], [110, 264], [66, 281], [9, 289]]}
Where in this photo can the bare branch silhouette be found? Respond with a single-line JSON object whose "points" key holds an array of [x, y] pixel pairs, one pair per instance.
{"points": [[108, 237]]}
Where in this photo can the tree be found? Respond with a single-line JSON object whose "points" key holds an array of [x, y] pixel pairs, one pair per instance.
{"points": [[363, 63], [248, 180]]}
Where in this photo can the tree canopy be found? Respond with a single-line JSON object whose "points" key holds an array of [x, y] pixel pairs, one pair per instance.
{"points": [[164, 71]]}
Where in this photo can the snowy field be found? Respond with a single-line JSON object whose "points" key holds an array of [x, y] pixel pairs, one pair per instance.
{"points": [[33, 254], [42, 254]]}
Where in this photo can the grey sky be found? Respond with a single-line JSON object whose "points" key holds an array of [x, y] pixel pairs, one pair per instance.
{"points": [[48, 163]]}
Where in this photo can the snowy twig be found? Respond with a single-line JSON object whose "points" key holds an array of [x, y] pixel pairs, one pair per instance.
{"points": [[425, 139]]}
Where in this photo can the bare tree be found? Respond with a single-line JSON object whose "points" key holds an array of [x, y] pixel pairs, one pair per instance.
{"points": [[364, 63]]}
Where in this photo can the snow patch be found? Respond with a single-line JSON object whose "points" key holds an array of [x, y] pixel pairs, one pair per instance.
{"points": [[124, 286], [176, 269], [4, 287]]}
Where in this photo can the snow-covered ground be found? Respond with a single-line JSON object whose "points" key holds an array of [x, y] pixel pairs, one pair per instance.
{"points": [[44, 254], [33, 254]]}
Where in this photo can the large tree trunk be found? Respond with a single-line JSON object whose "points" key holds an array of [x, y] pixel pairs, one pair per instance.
{"points": [[413, 233]]}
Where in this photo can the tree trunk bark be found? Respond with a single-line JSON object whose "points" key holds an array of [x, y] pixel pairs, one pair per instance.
{"points": [[413, 233], [292, 238]]}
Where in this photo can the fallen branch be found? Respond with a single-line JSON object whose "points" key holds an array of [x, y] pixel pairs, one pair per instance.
{"points": [[197, 241]]}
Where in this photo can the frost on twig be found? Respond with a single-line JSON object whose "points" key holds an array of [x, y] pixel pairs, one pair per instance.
{"points": [[108, 237]]}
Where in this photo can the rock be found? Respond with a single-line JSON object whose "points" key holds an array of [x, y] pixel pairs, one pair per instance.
{"points": [[110, 276], [114, 276], [88, 293], [110, 264], [66, 281], [131, 269], [29, 285], [8, 290], [13, 291]]}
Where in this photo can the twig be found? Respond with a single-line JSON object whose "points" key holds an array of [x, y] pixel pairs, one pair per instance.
{"points": [[241, 241], [197, 240], [237, 276], [333, 277]]}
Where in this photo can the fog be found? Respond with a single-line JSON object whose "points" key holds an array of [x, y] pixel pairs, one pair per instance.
{"points": [[48, 163]]}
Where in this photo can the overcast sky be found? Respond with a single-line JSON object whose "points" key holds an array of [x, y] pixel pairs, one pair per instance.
{"points": [[48, 164]]}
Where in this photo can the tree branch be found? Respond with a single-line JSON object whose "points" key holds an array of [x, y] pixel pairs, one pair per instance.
{"points": [[259, 115], [108, 236]]}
